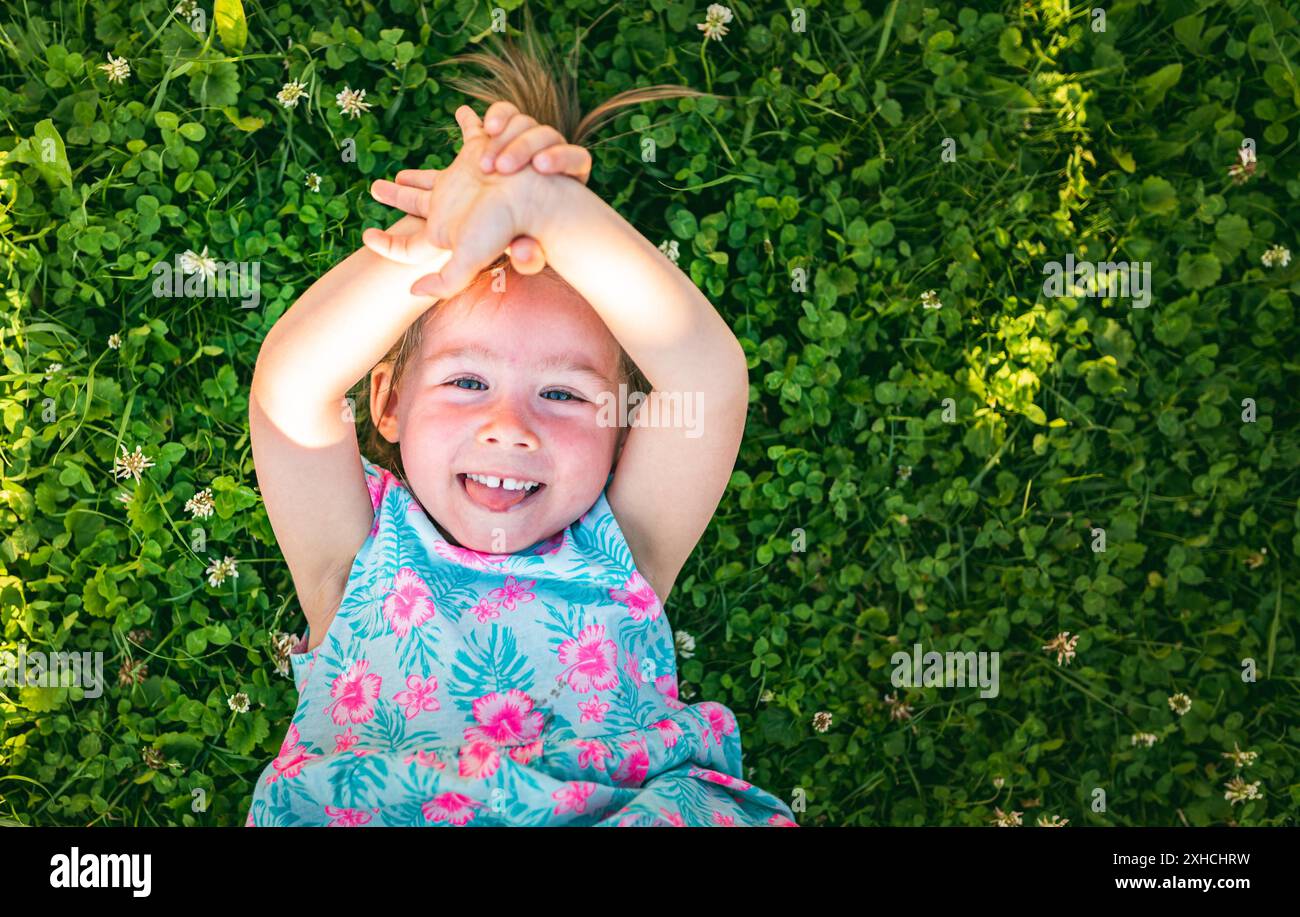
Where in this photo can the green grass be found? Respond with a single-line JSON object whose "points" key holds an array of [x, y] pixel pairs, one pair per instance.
{"points": [[814, 207]]}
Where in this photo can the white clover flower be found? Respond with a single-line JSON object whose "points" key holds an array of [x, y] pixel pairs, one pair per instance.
{"points": [[200, 505], [1052, 821], [219, 570], [821, 721], [238, 702], [715, 18], [1241, 758], [1180, 703], [1006, 819], [117, 68], [114, 341], [290, 93], [185, 9], [669, 248], [54, 368], [1277, 256], [1063, 646], [685, 644], [897, 709], [352, 101], [313, 182], [281, 646], [930, 300], [1238, 790], [130, 464], [192, 263], [1146, 738]]}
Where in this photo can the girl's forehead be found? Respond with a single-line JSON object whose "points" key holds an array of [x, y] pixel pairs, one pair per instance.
{"points": [[544, 334]]}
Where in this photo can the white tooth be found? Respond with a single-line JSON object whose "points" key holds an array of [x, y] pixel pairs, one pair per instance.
{"points": [[491, 481]]}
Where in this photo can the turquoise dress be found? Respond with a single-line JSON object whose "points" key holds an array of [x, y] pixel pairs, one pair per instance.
{"points": [[537, 688]]}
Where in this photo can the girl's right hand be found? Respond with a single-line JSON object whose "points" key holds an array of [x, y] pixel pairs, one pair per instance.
{"points": [[517, 142]]}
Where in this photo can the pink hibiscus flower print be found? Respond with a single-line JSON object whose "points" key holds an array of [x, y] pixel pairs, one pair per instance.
{"points": [[780, 821], [479, 760], [418, 696], [426, 759], [248, 823], [667, 686], [505, 719], [376, 484], [347, 818], [455, 808], [467, 557], [723, 821], [593, 753], [289, 762], [593, 711], [639, 598], [513, 591], [720, 778], [522, 754], [354, 693], [345, 741], [486, 611], [551, 545], [409, 604], [572, 797], [589, 660], [633, 770], [669, 731], [720, 722], [673, 818]]}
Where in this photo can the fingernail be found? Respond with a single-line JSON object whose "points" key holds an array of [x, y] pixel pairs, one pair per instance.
{"points": [[506, 162], [486, 163], [543, 161]]}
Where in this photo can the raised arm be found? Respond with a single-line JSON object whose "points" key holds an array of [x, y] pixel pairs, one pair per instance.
{"points": [[304, 442], [669, 478]]}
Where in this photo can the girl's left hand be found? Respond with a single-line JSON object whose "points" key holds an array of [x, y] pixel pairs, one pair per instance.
{"points": [[517, 140]]}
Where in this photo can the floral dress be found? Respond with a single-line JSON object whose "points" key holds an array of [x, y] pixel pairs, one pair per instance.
{"points": [[537, 688]]}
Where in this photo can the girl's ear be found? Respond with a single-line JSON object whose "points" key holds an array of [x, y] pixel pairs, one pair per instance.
{"points": [[383, 401]]}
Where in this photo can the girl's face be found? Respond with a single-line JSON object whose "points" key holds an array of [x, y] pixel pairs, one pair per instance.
{"points": [[506, 389]]}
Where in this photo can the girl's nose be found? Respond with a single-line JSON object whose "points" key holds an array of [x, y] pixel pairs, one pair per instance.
{"points": [[508, 426]]}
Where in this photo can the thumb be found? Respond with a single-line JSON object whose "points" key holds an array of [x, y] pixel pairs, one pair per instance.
{"points": [[455, 276]]}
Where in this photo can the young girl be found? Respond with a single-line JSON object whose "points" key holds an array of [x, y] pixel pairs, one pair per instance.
{"points": [[487, 642]]}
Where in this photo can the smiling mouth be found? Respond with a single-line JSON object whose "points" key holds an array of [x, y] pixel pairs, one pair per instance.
{"points": [[497, 499]]}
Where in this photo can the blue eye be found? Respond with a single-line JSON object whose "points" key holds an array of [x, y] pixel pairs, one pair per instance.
{"points": [[568, 396], [457, 383]]}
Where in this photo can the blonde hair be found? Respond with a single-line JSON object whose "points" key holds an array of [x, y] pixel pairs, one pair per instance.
{"points": [[533, 82]]}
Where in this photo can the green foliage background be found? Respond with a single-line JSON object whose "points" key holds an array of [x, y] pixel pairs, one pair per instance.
{"points": [[1070, 413]]}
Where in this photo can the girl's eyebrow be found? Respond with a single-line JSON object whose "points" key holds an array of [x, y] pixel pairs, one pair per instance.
{"points": [[563, 362]]}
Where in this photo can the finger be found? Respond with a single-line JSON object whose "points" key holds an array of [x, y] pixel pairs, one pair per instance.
{"points": [[403, 197], [498, 115], [564, 159], [418, 178], [517, 126], [414, 249], [526, 255], [470, 125], [520, 151]]}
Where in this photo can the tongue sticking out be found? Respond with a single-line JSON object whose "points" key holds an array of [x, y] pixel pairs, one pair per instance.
{"points": [[496, 499]]}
